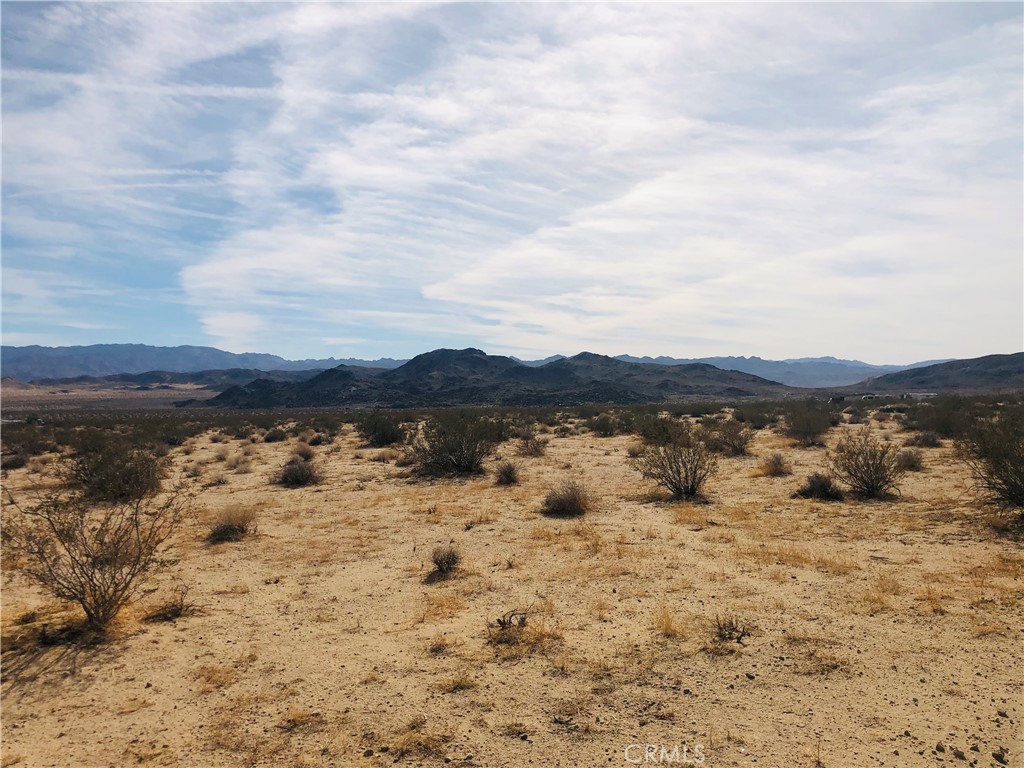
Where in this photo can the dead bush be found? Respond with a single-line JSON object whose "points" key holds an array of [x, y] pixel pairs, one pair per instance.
{"points": [[232, 524], [445, 559], [507, 473], [910, 460], [570, 499], [94, 555], [775, 465], [298, 473]]}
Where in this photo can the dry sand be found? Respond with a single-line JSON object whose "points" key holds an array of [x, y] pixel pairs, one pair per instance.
{"points": [[877, 631]]}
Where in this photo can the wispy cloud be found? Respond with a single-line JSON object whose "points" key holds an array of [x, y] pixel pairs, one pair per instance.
{"points": [[677, 179]]}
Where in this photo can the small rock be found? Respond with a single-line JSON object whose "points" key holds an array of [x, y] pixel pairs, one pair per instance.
{"points": [[940, 747], [1001, 713], [751, 675], [368, 753], [959, 754], [999, 757]]}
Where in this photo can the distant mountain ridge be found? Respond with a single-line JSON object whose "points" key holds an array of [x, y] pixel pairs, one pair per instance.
{"points": [[979, 374], [32, 363], [449, 377]]}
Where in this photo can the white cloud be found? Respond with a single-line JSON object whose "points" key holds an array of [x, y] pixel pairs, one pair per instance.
{"points": [[681, 179]]}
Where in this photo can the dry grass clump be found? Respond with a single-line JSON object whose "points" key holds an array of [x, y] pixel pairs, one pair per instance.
{"points": [[923, 440], [729, 629], [513, 637], [445, 559], [774, 465], [233, 523], [910, 460], [819, 486], [298, 473], [506, 473], [176, 606], [665, 623], [304, 452], [570, 499]]}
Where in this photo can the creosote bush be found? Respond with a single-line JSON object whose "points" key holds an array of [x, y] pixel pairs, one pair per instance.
{"points": [[993, 449], [104, 468], [808, 421], [729, 437], [446, 559], [506, 473], [379, 428], [870, 467], [275, 436], [298, 473], [94, 554], [819, 486], [454, 443], [681, 466], [570, 499]]}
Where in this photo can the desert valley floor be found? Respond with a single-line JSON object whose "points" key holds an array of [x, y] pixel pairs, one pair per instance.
{"points": [[878, 633]]}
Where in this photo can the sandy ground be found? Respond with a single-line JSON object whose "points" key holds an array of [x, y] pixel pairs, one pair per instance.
{"points": [[880, 634]]}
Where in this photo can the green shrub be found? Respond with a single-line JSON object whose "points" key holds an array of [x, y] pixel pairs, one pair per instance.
{"points": [[379, 428], [603, 425], [807, 422], [655, 430], [729, 437], [681, 466], [993, 449], [104, 468], [275, 436], [871, 468], [454, 443]]}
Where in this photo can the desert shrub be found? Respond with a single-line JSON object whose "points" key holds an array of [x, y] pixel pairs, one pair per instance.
{"points": [[454, 443], [923, 440], [946, 415], [275, 436], [570, 499], [681, 466], [94, 555], [603, 425], [808, 421], [655, 430], [298, 473], [13, 461], [819, 486], [175, 607], [871, 468], [379, 428], [910, 460], [755, 417], [529, 443], [304, 452], [446, 559], [775, 465], [106, 469], [729, 437], [232, 524], [320, 439], [507, 473], [993, 449]]}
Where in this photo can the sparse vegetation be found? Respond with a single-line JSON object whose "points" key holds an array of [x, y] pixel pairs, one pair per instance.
{"points": [[506, 473], [682, 466], [233, 523], [774, 465], [445, 559], [993, 449], [297, 473], [94, 555], [923, 440], [870, 467], [570, 499], [808, 421], [105, 468], [379, 429], [275, 436], [454, 443], [819, 486], [910, 460]]}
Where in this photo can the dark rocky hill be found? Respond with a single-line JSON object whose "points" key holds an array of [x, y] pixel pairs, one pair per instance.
{"points": [[991, 373]]}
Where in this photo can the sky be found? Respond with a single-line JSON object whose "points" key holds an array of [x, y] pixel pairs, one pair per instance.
{"points": [[383, 179]]}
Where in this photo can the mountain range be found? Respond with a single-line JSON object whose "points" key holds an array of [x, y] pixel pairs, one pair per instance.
{"points": [[65, 364], [449, 377]]}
